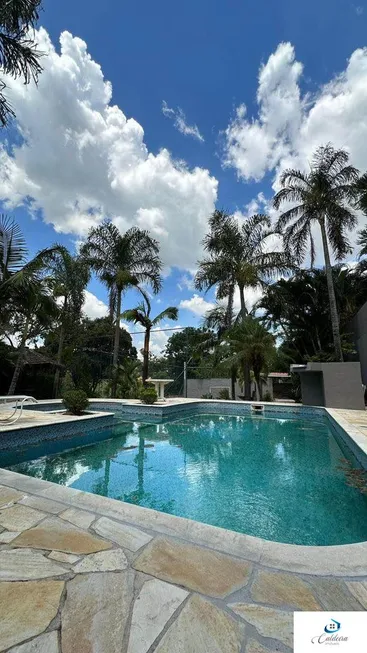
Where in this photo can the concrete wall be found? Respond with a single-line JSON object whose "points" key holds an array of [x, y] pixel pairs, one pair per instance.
{"points": [[341, 385], [312, 389], [196, 388], [359, 326]]}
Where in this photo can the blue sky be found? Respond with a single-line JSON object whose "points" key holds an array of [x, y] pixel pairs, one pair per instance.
{"points": [[202, 58]]}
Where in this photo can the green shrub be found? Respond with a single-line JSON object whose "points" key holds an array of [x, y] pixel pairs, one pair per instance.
{"points": [[76, 401], [267, 396], [148, 396], [223, 393], [207, 396]]}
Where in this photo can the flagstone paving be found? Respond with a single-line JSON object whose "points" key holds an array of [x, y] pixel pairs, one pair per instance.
{"points": [[77, 581]]}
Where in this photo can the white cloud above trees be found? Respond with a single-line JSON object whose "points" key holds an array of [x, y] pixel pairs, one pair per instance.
{"points": [[81, 159]]}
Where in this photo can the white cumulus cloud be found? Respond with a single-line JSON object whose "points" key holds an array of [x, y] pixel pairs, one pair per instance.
{"points": [[81, 159], [179, 121], [93, 307], [197, 305], [291, 125]]}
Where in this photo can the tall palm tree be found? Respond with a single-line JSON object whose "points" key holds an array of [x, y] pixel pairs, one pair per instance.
{"points": [[70, 275], [220, 320], [122, 261], [238, 257], [141, 315], [252, 345], [322, 196]]}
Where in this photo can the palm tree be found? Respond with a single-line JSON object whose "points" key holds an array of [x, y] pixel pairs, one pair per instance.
{"points": [[122, 261], [238, 257], [219, 320], [321, 196], [141, 315], [35, 306], [252, 345], [70, 277]]}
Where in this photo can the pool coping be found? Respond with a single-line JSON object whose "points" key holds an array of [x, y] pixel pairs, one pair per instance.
{"points": [[337, 560]]}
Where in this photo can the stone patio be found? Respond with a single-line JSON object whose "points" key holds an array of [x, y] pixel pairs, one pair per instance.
{"points": [[81, 573]]}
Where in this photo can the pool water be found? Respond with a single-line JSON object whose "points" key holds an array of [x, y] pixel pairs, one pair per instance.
{"points": [[278, 479]]}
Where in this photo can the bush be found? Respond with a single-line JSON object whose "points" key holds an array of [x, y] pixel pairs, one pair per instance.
{"points": [[148, 396], [267, 396], [207, 396], [223, 393], [76, 401]]}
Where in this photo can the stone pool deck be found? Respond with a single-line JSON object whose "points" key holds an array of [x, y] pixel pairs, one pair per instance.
{"points": [[81, 573]]}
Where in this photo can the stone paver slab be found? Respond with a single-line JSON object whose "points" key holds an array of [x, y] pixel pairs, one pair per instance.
{"points": [[127, 536], [47, 643], [8, 536], [202, 627], [154, 606], [197, 568], [267, 621], [27, 609], [334, 595], [19, 518], [255, 647], [8, 495], [69, 558], [22, 564], [359, 590], [114, 560], [59, 535], [40, 503], [95, 612], [77, 517], [283, 589]]}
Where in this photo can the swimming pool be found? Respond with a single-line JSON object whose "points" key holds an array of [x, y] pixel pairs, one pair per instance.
{"points": [[270, 477]]}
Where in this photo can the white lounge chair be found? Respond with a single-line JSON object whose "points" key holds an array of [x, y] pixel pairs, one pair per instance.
{"points": [[15, 404]]}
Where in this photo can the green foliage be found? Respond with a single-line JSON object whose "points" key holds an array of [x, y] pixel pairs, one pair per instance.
{"points": [[267, 396], [67, 384], [76, 401], [19, 56], [208, 395], [224, 393], [148, 396]]}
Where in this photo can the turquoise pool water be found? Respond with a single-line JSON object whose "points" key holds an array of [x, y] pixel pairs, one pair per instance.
{"points": [[278, 479]]}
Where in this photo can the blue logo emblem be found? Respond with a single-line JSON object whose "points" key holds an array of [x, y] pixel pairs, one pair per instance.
{"points": [[332, 627]]}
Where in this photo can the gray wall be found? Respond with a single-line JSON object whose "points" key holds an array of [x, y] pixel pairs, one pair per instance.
{"points": [[359, 326], [342, 385], [312, 389], [196, 388]]}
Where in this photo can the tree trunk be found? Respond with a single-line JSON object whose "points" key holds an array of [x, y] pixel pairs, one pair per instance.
{"points": [[257, 387], [332, 300], [233, 382], [229, 309], [243, 312], [146, 356], [60, 349], [116, 346], [18, 365]]}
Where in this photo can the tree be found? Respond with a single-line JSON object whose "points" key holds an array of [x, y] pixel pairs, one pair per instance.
{"points": [[252, 344], [219, 320], [70, 275], [19, 56], [298, 310], [122, 261], [321, 196], [238, 257], [141, 315], [36, 309]]}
